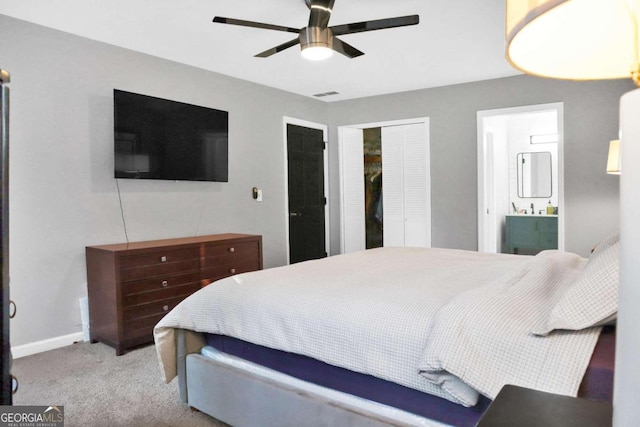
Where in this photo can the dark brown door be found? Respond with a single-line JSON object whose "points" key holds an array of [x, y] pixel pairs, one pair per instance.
{"points": [[305, 158]]}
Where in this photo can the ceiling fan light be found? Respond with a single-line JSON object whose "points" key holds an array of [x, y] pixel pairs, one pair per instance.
{"points": [[316, 43], [316, 52]]}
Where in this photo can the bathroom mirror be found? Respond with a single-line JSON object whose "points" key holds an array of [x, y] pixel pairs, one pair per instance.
{"points": [[534, 174]]}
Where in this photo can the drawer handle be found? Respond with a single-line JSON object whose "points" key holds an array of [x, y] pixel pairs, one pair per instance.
{"points": [[232, 249], [163, 259], [165, 307], [232, 271], [164, 283]]}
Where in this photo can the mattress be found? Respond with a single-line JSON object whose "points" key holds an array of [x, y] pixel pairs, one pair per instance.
{"points": [[596, 384]]}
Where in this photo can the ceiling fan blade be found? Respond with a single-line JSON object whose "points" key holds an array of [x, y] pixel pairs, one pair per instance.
{"points": [[380, 24], [320, 13], [278, 48], [346, 49], [243, 23]]}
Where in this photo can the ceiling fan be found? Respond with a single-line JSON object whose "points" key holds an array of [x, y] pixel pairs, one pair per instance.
{"points": [[318, 40]]}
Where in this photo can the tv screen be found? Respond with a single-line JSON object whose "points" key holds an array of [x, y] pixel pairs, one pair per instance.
{"points": [[156, 138]]}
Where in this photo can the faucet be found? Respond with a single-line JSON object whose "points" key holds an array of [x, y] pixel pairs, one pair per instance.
{"points": [[533, 210]]}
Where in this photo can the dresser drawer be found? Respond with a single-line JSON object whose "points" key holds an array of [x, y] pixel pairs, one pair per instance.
{"points": [[227, 254], [142, 326], [159, 282], [215, 273], [170, 268], [159, 257], [231, 248], [151, 309], [159, 295], [139, 321]]}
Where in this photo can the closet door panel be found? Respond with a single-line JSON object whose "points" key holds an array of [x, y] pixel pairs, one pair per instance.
{"points": [[393, 186], [352, 175], [416, 185]]}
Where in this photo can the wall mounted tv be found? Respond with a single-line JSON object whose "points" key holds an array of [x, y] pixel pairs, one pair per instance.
{"points": [[156, 138]]}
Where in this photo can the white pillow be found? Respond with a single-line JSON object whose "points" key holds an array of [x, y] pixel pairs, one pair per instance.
{"points": [[604, 244], [592, 299]]}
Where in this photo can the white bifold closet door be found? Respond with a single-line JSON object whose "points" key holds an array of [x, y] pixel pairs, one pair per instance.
{"points": [[406, 186], [352, 184]]}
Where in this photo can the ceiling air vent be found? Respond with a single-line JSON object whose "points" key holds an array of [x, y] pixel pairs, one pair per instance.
{"points": [[320, 95]]}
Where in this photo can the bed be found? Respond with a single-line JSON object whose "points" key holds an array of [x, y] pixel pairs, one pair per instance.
{"points": [[392, 336]]}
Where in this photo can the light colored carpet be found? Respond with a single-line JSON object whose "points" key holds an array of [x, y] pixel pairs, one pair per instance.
{"points": [[98, 388]]}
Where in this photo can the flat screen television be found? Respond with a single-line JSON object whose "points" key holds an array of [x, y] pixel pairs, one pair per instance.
{"points": [[157, 138]]}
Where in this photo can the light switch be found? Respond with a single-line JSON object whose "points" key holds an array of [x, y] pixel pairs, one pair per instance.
{"points": [[259, 198]]}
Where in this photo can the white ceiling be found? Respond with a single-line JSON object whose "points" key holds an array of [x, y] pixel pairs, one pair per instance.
{"points": [[456, 41]]}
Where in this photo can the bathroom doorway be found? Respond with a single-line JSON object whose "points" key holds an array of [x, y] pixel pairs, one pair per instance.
{"points": [[520, 173]]}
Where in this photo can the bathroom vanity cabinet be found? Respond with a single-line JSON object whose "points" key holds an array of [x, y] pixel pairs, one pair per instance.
{"points": [[530, 234]]}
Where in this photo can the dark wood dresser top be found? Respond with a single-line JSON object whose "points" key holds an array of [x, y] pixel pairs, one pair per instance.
{"points": [[163, 243]]}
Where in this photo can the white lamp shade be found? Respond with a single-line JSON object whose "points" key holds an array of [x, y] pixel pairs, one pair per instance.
{"points": [[614, 159], [577, 40]]}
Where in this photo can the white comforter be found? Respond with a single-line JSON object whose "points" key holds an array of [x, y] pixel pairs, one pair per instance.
{"points": [[400, 314], [494, 345]]}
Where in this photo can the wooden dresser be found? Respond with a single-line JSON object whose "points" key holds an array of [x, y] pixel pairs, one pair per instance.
{"points": [[133, 285]]}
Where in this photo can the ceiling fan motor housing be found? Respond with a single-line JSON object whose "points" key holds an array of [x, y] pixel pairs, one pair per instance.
{"points": [[316, 37]]}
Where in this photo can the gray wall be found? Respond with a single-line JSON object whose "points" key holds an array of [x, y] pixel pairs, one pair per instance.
{"points": [[590, 121], [63, 195]]}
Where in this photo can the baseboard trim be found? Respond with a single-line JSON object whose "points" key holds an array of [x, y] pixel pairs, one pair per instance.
{"points": [[45, 345]]}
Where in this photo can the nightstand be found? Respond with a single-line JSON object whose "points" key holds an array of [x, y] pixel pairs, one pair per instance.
{"points": [[523, 407]]}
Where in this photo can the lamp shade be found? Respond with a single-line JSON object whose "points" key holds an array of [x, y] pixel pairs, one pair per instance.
{"points": [[614, 159], [576, 40]]}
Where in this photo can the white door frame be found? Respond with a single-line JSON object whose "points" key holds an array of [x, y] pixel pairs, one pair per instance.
{"points": [[425, 121], [482, 186], [325, 137]]}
